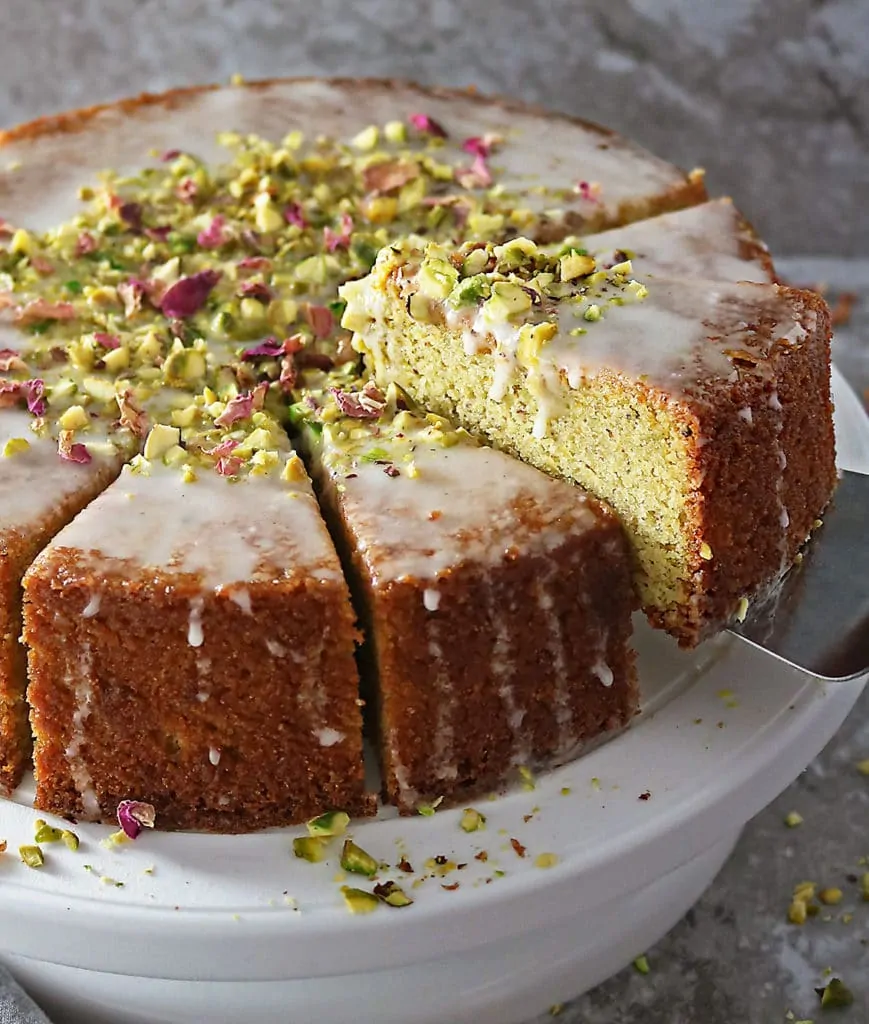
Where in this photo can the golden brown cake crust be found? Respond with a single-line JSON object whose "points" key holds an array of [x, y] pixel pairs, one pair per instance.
{"points": [[245, 756], [738, 509]]}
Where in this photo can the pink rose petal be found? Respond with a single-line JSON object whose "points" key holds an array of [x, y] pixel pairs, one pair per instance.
{"points": [[320, 320], [293, 215], [255, 290], [42, 309], [134, 815], [477, 175], [215, 235], [86, 243], [428, 125], [366, 404], [109, 341], [189, 295], [72, 452], [339, 239], [132, 415], [389, 175], [268, 348], [11, 360], [255, 263], [243, 406]]}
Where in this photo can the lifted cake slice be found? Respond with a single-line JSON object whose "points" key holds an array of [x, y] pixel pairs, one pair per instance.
{"points": [[39, 493], [191, 644], [699, 410], [496, 600], [711, 241]]}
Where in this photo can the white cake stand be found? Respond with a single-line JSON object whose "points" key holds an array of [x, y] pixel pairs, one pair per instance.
{"points": [[211, 934]]}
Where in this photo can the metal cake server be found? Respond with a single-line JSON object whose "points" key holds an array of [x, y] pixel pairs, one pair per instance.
{"points": [[817, 618]]}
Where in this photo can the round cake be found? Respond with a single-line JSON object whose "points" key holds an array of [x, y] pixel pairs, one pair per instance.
{"points": [[536, 380]]}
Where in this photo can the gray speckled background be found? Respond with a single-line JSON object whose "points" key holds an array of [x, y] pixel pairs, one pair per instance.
{"points": [[772, 97]]}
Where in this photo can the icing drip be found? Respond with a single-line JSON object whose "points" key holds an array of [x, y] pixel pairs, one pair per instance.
{"points": [[784, 518], [443, 756], [78, 769], [555, 646], [195, 636], [329, 737], [92, 607], [241, 597], [603, 672], [214, 755], [406, 793], [275, 649], [502, 670], [203, 671], [431, 599]]}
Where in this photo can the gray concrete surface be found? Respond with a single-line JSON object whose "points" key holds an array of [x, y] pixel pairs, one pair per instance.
{"points": [[771, 96]]}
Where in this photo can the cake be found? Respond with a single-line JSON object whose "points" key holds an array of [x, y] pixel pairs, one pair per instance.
{"points": [[496, 601], [38, 495], [700, 411], [169, 276], [200, 658]]}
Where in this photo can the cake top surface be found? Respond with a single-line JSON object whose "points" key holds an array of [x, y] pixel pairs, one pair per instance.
{"points": [[258, 529], [559, 318], [710, 240], [423, 497]]}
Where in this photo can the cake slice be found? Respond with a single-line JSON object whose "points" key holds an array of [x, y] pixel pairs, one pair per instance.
{"points": [[191, 645], [39, 493], [496, 601], [711, 241], [699, 410]]}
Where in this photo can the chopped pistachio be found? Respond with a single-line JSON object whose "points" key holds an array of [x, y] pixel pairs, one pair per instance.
{"points": [[311, 848], [359, 901], [15, 446], [863, 766], [355, 859], [641, 964], [45, 833], [835, 994], [159, 440], [592, 312], [75, 418], [830, 896], [332, 823], [70, 839], [367, 139], [32, 856], [546, 860], [793, 819], [471, 820], [392, 894], [574, 265], [797, 912]]}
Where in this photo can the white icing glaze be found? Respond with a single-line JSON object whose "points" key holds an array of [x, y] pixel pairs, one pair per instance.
{"points": [[78, 768], [275, 649], [467, 504], [431, 599], [702, 241], [93, 606], [214, 755], [225, 533], [35, 482], [195, 636], [241, 597], [538, 150], [328, 737]]}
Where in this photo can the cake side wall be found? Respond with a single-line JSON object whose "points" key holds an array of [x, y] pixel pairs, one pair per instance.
{"points": [[234, 734]]}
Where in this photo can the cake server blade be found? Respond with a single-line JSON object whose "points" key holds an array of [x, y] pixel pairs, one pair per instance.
{"points": [[817, 618]]}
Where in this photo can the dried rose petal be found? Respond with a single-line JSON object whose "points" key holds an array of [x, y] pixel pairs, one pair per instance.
{"points": [[255, 263], [267, 348], [159, 234], [315, 360], [42, 309], [366, 404], [41, 265], [293, 215], [243, 406], [10, 392], [71, 452], [131, 213], [319, 319], [255, 290], [389, 175], [424, 123], [588, 191], [170, 154], [134, 815], [35, 390], [132, 415], [229, 466], [6, 229], [251, 239], [289, 373], [295, 343], [481, 145], [131, 293], [187, 190], [189, 294], [11, 360], [109, 341], [477, 175], [86, 243], [339, 239], [215, 235], [226, 447]]}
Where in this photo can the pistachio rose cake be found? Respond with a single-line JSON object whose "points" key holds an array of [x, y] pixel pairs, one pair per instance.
{"points": [[186, 284]]}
